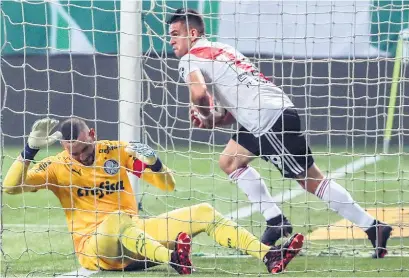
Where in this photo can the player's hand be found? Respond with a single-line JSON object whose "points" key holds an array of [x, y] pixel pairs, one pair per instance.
{"points": [[145, 154], [226, 120], [40, 134], [205, 122], [195, 118]]}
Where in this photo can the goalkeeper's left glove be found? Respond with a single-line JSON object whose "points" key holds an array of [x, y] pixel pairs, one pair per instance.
{"points": [[40, 137], [145, 154]]}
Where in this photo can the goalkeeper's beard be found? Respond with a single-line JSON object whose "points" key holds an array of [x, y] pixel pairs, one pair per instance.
{"points": [[89, 160]]}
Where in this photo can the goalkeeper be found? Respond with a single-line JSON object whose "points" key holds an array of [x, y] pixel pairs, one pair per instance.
{"points": [[90, 179]]}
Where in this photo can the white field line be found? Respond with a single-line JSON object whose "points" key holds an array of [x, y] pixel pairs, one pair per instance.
{"points": [[81, 272], [294, 192], [34, 226], [369, 255]]}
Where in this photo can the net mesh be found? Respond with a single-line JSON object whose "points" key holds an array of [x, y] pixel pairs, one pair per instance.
{"points": [[335, 59]]}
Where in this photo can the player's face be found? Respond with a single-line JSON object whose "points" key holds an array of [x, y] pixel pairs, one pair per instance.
{"points": [[181, 38], [83, 149]]}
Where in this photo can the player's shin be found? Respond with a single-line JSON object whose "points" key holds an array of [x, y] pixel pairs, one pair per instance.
{"points": [[340, 201], [227, 233], [138, 242]]}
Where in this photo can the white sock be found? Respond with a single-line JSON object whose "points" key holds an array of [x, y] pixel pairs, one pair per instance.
{"points": [[249, 180], [340, 201]]}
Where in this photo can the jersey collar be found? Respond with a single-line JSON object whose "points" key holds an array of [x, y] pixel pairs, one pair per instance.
{"points": [[200, 42]]}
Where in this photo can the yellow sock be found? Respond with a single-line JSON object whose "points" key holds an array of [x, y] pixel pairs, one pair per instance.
{"points": [[137, 241], [228, 233]]}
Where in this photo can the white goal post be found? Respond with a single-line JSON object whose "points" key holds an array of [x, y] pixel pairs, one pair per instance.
{"points": [[130, 77]]}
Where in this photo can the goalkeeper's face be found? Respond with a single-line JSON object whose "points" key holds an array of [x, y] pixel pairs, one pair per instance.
{"points": [[82, 149]]}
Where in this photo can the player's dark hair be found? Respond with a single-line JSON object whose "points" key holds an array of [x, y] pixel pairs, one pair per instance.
{"points": [[189, 17], [71, 128]]}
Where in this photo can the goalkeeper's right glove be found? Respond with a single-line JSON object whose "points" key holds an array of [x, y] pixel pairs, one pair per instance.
{"points": [[40, 137]]}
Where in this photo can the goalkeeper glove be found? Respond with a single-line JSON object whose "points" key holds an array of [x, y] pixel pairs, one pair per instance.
{"points": [[40, 137], [145, 154]]}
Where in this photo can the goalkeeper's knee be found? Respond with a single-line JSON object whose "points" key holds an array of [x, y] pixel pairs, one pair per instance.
{"points": [[207, 212]]}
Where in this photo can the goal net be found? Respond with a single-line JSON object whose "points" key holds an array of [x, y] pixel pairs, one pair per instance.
{"points": [[342, 63]]}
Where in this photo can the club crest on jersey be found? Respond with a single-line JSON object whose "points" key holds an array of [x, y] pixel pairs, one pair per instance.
{"points": [[111, 167]]}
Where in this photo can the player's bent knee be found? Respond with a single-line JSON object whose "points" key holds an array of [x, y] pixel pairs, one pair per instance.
{"points": [[224, 162], [231, 163], [206, 209], [202, 209], [311, 179], [228, 164]]}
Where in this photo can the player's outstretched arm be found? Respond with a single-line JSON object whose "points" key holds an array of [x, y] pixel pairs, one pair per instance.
{"points": [[16, 180], [155, 173]]}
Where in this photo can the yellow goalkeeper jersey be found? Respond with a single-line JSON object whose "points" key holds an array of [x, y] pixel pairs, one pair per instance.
{"points": [[89, 194]]}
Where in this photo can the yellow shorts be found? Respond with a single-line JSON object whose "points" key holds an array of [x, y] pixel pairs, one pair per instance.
{"points": [[105, 251]]}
